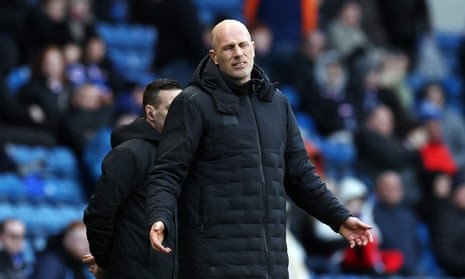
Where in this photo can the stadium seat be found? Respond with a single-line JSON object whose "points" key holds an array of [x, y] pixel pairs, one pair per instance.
{"points": [[17, 78], [306, 123], [23, 154], [11, 187], [448, 41], [61, 162], [6, 210], [130, 47], [63, 191], [292, 95], [210, 10]]}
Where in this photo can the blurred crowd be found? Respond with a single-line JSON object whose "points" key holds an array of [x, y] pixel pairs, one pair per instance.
{"points": [[379, 104]]}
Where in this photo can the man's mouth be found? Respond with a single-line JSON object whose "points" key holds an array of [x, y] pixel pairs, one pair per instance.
{"points": [[239, 65]]}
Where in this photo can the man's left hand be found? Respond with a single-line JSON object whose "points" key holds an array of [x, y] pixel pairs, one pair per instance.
{"points": [[356, 232]]}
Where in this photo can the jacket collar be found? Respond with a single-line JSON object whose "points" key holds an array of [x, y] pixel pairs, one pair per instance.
{"points": [[225, 94]]}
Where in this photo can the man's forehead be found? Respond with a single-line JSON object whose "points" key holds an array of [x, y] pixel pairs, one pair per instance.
{"points": [[229, 30]]}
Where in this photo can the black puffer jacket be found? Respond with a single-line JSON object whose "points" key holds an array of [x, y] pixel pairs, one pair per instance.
{"points": [[115, 218], [235, 155]]}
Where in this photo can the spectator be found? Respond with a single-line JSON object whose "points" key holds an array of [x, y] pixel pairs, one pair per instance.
{"points": [[264, 56], [394, 70], [370, 259], [45, 25], [48, 88], [62, 257], [99, 69], [18, 123], [436, 189], [452, 123], [321, 244], [12, 262], [130, 101], [378, 148], [369, 93], [346, 35], [75, 70], [436, 157], [371, 22], [449, 229], [412, 20], [87, 114], [300, 71], [288, 21], [80, 21], [331, 107], [12, 17], [394, 219]]}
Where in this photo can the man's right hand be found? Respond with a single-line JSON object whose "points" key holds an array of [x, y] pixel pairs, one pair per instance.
{"points": [[157, 235]]}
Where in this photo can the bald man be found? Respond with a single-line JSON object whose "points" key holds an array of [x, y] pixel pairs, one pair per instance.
{"points": [[230, 152]]}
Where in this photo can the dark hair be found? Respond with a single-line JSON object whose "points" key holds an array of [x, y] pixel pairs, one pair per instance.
{"points": [[152, 89]]}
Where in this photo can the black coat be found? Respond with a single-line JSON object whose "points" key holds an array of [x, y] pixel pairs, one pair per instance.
{"points": [[235, 155], [115, 218], [377, 153], [54, 104], [448, 244]]}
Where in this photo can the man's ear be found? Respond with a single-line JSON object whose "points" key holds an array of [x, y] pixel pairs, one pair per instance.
{"points": [[212, 55], [149, 112]]}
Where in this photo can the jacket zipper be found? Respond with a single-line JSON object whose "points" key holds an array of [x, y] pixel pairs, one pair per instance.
{"points": [[262, 176]]}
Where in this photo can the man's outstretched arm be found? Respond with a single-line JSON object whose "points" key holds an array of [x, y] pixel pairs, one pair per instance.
{"points": [[180, 138]]}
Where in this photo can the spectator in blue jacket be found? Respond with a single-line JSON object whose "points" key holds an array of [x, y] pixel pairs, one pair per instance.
{"points": [[393, 218]]}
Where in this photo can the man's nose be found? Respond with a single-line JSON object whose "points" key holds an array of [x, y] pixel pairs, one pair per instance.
{"points": [[237, 51]]}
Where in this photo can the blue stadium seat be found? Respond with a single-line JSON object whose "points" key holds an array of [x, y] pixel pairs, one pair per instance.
{"points": [[454, 89], [292, 95], [63, 191], [209, 10], [448, 41], [454, 86], [6, 210], [452, 62], [61, 162], [306, 122], [23, 154], [130, 47], [28, 214], [17, 78], [11, 187], [416, 82], [35, 191]]}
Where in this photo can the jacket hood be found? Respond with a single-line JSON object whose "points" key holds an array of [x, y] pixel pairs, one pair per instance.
{"points": [[138, 129], [209, 78]]}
